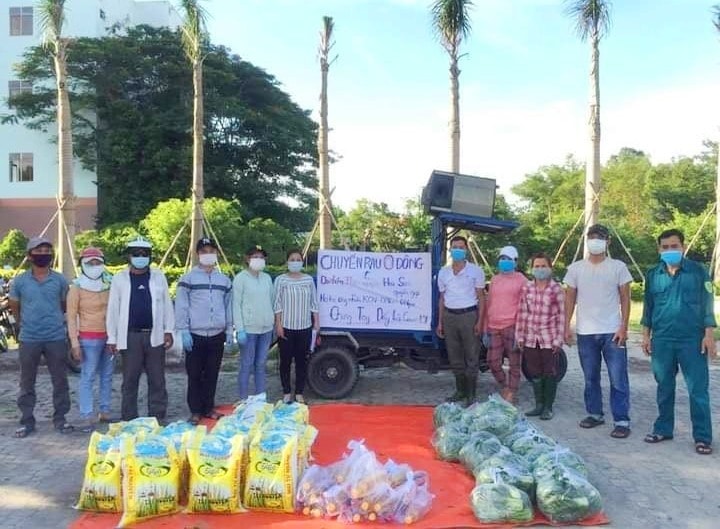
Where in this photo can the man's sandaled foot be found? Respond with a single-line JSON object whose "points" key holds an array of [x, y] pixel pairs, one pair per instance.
{"points": [[703, 448], [64, 428], [591, 422], [24, 431], [214, 415], [653, 438], [194, 419], [620, 432], [86, 426]]}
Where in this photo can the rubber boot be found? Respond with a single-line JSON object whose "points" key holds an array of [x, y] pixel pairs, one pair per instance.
{"points": [[549, 392], [460, 389], [471, 389], [538, 388]]}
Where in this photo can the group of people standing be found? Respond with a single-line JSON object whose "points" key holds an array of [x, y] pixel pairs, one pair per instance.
{"points": [[131, 315], [532, 318]]}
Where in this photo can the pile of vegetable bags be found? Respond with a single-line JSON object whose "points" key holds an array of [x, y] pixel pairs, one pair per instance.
{"points": [[515, 465], [358, 488]]}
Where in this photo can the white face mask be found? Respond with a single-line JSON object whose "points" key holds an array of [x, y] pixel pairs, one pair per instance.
{"points": [[207, 259], [257, 263], [93, 271], [596, 246]]}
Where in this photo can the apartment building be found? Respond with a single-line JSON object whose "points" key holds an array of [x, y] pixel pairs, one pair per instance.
{"points": [[28, 185]]}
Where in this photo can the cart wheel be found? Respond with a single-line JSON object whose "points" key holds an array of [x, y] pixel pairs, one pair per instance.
{"points": [[560, 367], [332, 372]]}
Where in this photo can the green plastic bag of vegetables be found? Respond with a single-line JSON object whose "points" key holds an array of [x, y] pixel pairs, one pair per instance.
{"points": [[448, 440], [479, 446], [556, 457], [446, 413], [530, 441], [509, 474], [494, 415], [565, 496], [499, 502]]}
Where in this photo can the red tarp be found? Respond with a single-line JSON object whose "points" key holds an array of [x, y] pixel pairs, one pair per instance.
{"points": [[401, 433]]}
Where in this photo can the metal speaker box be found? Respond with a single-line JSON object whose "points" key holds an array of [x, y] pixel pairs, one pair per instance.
{"points": [[457, 193]]}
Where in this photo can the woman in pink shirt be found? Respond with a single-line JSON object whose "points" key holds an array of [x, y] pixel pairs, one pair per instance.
{"points": [[540, 331], [502, 307]]}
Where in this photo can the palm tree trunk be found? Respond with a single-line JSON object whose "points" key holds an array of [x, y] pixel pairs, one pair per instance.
{"points": [[66, 188], [198, 191], [324, 199], [454, 114], [592, 168]]}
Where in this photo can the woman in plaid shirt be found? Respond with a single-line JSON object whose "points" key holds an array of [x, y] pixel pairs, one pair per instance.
{"points": [[539, 332]]}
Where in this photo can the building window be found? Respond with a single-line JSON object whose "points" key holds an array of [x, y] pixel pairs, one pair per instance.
{"points": [[21, 21], [15, 88], [21, 167]]}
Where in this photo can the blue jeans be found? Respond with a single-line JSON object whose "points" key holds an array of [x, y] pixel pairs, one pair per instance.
{"points": [[253, 358], [96, 361], [591, 349]]}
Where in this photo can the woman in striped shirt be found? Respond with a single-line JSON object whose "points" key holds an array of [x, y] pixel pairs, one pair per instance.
{"points": [[296, 316]]}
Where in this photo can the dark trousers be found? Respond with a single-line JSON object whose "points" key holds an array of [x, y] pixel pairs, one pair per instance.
{"points": [[203, 366], [138, 357], [295, 346], [55, 353], [540, 362]]}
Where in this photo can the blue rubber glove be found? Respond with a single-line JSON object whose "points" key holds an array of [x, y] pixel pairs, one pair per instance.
{"points": [[228, 342], [187, 340], [241, 337]]}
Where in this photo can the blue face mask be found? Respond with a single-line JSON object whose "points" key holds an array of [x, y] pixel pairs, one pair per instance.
{"points": [[294, 266], [506, 265], [671, 257], [541, 273], [458, 254], [140, 262]]}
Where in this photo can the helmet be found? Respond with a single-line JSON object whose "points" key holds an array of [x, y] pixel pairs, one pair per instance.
{"points": [[139, 242], [92, 253]]}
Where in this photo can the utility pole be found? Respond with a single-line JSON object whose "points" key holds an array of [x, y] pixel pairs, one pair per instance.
{"points": [[326, 45]]}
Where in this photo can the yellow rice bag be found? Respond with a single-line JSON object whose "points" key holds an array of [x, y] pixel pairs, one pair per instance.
{"points": [[102, 485], [293, 411], [182, 434], [151, 479], [144, 425], [215, 468], [272, 472]]}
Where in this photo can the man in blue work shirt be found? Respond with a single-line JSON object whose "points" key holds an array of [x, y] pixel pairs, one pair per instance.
{"points": [[203, 315], [678, 323], [37, 298]]}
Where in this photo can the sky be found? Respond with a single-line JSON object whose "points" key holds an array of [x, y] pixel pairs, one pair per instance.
{"points": [[524, 85]]}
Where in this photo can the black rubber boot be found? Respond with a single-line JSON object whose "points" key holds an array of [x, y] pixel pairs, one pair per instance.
{"points": [[471, 381], [538, 387], [549, 392], [460, 389]]}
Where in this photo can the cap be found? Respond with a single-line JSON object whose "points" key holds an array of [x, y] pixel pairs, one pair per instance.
{"points": [[509, 251], [92, 253], [205, 241], [599, 229], [139, 242], [256, 249], [34, 242]]}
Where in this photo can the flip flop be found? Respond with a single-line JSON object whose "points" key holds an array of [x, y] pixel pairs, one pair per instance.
{"points": [[620, 432], [214, 415], [703, 448], [653, 438], [65, 428], [591, 422], [194, 420], [24, 431]]}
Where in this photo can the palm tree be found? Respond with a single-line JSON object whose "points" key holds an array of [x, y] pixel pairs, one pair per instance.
{"points": [[592, 21], [194, 38], [326, 45], [716, 256], [51, 15], [451, 20]]}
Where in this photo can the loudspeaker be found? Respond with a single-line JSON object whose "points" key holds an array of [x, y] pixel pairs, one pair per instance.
{"points": [[456, 193]]}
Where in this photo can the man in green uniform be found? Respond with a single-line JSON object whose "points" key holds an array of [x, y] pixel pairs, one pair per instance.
{"points": [[678, 322]]}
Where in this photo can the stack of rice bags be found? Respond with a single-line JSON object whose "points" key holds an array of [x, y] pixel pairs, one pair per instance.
{"points": [[358, 488], [514, 464]]}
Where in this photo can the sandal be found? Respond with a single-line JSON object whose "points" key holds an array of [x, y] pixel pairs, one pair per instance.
{"points": [[653, 438], [214, 415], [620, 432], [591, 422], [24, 431], [194, 419], [64, 428], [703, 448]]}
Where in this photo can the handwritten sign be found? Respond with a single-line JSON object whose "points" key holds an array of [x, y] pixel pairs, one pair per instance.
{"points": [[367, 290]]}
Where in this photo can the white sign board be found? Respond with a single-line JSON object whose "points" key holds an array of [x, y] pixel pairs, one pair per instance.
{"points": [[368, 290]]}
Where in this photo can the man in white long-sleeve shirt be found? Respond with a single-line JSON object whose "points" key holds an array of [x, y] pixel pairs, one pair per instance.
{"points": [[140, 323]]}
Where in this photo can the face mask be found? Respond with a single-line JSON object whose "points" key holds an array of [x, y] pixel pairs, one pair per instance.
{"points": [[458, 254], [257, 263], [42, 259], [506, 266], [671, 257], [541, 273], [596, 246], [140, 262], [93, 271], [295, 266], [207, 259]]}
